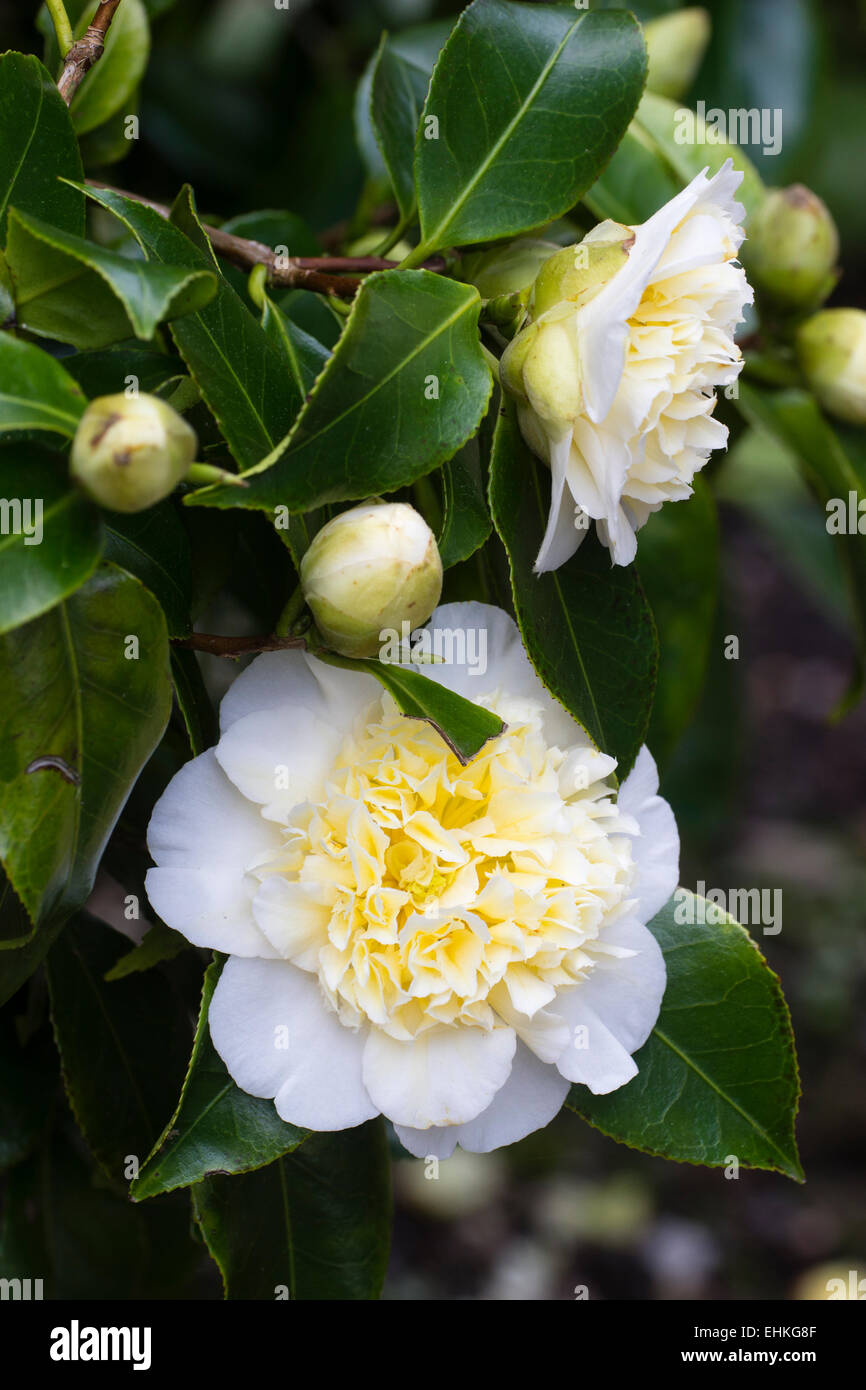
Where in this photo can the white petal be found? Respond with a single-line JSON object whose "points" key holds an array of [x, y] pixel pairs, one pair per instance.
{"points": [[316, 1079], [657, 849], [532, 1096], [274, 678], [299, 680], [561, 538], [595, 1057], [203, 833], [626, 993], [291, 920], [201, 820], [442, 1077], [280, 757]]}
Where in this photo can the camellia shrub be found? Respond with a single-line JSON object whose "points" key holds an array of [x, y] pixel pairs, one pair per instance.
{"points": [[353, 583]]}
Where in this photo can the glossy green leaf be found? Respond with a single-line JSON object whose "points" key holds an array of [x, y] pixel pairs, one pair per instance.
{"points": [[37, 147], [153, 546], [193, 700], [120, 1070], [158, 944], [465, 726], [110, 85], [398, 92], [312, 1225], [587, 626], [531, 101], [405, 388], [36, 393], [678, 561], [417, 47], [216, 1127], [718, 1075], [50, 535], [836, 471], [466, 521], [241, 375], [79, 720], [84, 294]]}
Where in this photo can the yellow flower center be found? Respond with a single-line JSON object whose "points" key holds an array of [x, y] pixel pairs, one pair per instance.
{"points": [[450, 894]]}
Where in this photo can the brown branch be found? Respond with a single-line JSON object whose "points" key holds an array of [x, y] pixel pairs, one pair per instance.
{"points": [[236, 646], [86, 51], [323, 274]]}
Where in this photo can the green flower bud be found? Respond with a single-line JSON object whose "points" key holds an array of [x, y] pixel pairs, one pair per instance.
{"points": [[131, 451], [371, 568], [507, 269], [540, 366], [576, 272], [831, 347], [792, 248], [676, 44]]}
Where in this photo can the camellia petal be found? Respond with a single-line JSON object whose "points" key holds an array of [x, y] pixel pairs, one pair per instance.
{"points": [[278, 1038], [444, 1077]]}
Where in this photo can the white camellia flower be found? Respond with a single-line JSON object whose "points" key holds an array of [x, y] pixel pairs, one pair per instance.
{"points": [[448, 945], [631, 332]]}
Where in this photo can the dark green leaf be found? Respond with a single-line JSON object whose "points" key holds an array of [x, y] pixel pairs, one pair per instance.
{"points": [[587, 626], [50, 536], [216, 1127], [405, 388], [79, 720], [312, 1225], [153, 546], [678, 559], [399, 90], [37, 147], [531, 102], [36, 393], [84, 294], [122, 1045], [240, 374], [193, 700], [466, 522], [116, 369], [159, 943], [718, 1076], [465, 726]]}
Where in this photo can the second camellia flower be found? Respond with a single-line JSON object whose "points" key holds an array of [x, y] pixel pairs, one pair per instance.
{"points": [[449, 945], [615, 374]]}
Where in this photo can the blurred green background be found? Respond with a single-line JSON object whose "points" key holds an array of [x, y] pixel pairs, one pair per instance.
{"points": [[254, 106]]}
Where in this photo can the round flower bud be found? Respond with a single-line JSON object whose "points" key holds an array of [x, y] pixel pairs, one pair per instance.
{"points": [[371, 568], [831, 347], [792, 248], [131, 451], [675, 44]]}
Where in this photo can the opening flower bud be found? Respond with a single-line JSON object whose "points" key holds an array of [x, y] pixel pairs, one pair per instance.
{"points": [[129, 452], [676, 44], [373, 567], [576, 272], [792, 248], [831, 347]]}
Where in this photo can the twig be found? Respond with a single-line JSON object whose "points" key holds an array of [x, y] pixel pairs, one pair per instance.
{"points": [[62, 27], [86, 51], [322, 274], [237, 646]]}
